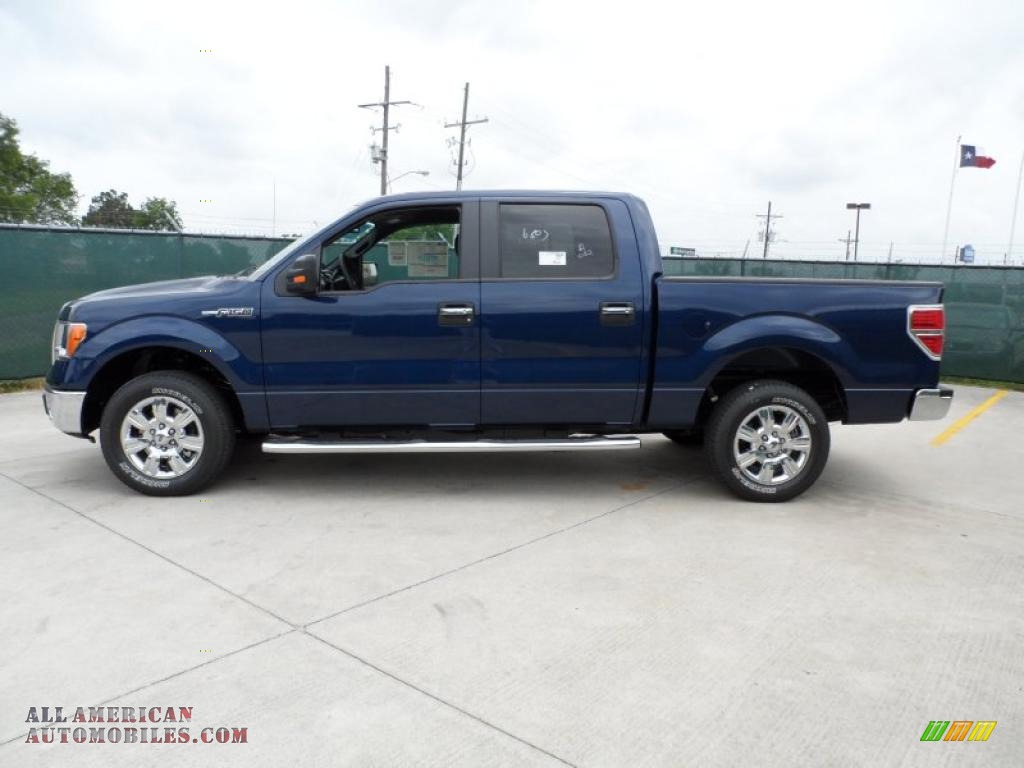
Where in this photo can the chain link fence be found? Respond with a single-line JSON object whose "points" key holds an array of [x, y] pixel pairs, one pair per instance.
{"points": [[41, 268]]}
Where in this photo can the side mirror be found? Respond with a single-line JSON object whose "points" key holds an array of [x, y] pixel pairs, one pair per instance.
{"points": [[369, 274], [302, 278]]}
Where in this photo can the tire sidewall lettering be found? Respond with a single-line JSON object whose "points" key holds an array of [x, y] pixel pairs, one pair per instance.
{"points": [[180, 396], [129, 470]]}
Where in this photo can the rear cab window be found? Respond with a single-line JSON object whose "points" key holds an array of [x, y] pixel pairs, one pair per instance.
{"points": [[554, 241]]}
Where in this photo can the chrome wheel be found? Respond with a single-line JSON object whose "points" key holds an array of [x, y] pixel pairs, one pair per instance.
{"points": [[772, 444], [162, 437]]}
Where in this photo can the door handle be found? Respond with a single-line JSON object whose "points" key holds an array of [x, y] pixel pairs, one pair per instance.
{"points": [[617, 313], [458, 315]]}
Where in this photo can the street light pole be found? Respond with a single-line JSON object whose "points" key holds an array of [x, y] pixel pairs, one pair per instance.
{"points": [[407, 173], [858, 207]]}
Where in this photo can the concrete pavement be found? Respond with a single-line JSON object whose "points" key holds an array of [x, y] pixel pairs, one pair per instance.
{"points": [[593, 609]]}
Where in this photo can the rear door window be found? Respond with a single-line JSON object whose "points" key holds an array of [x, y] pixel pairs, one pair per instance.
{"points": [[555, 241]]}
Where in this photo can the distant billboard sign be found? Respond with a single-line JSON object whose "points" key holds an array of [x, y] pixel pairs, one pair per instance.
{"points": [[675, 250], [967, 254]]}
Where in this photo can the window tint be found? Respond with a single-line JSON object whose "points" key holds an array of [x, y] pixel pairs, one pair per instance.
{"points": [[555, 241]]}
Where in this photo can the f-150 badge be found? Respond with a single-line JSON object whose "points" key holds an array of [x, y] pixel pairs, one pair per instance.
{"points": [[229, 312]]}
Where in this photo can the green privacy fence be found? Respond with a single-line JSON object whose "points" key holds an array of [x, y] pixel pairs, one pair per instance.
{"points": [[985, 305], [41, 268]]}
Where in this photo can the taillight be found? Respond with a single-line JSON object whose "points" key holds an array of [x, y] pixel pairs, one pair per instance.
{"points": [[926, 325]]}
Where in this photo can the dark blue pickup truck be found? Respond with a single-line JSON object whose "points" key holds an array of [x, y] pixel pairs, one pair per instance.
{"points": [[494, 321]]}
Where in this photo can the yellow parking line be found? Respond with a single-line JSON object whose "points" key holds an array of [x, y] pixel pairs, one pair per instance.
{"points": [[965, 420]]}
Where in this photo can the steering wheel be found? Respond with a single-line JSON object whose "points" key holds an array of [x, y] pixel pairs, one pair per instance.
{"points": [[343, 265], [328, 277]]}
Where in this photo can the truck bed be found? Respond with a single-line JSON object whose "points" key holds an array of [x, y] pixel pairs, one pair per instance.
{"points": [[858, 328]]}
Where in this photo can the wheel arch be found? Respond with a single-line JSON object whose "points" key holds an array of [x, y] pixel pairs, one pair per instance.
{"points": [[130, 363], [783, 362]]}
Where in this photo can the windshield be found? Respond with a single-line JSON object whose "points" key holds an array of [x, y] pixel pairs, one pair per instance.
{"points": [[268, 266]]}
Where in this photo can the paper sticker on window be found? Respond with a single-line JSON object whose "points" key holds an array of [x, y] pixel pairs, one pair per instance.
{"points": [[551, 258]]}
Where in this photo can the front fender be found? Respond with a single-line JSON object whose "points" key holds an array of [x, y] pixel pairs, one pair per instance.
{"points": [[780, 331], [244, 374]]}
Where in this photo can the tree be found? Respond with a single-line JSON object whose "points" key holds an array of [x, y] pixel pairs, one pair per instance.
{"points": [[158, 213], [29, 191], [110, 209]]}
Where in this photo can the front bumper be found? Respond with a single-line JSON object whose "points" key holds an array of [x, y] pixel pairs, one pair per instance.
{"points": [[64, 409], [931, 404]]}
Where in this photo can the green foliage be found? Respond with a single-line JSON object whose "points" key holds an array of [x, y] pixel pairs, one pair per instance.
{"points": [[112, 209], [29, 192], [158, 213], [20, 385]]}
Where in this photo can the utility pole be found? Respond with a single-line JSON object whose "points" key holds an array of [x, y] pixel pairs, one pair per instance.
{"points": [[846, 240], [462, 133], [1013, 221], [768, 226], [386, 105], [858, 207]]}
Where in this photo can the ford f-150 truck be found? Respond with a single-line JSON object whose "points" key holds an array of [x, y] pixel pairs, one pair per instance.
{"points": [[534, 321]]}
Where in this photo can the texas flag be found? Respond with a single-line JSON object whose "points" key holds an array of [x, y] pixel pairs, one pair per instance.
{"points": [[971, 158]]}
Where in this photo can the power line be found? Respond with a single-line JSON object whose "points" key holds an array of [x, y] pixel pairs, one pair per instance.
{"points": [[382, 155], [462, 133]]}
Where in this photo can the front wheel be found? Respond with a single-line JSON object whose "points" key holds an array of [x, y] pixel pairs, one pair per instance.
{"points": [[768, 440], [167, 433]]}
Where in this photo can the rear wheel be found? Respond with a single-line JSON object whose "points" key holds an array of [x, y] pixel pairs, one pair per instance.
{"points": [[167, 433], [768, 440]]}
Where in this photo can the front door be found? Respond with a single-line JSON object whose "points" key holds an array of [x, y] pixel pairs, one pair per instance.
{"points": [[562, 312], [393, 337]]}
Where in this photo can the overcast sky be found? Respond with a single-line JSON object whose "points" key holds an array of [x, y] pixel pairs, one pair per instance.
{"points": [[707, 110]]}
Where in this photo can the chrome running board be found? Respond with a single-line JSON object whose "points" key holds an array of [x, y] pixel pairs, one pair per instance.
{"points": [[300, 445]]}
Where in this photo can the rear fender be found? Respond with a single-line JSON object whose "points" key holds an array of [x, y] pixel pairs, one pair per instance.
{"points": [[776, 331]]}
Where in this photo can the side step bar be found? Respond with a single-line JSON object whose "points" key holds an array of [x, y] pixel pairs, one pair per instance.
{"points": [[451, 446]]}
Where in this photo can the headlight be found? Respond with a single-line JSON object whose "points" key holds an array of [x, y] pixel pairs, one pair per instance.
{"points": [[66, 339]]}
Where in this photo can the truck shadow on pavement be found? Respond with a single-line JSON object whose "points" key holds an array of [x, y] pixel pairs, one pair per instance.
{"points": [[658, 465]]}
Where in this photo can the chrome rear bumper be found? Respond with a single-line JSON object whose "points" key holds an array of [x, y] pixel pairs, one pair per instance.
{"points": [[931, 404], [64, 409]]}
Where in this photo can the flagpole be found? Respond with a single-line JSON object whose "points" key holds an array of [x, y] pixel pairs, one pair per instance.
{"points": [[1016, 200], [949, 206]]}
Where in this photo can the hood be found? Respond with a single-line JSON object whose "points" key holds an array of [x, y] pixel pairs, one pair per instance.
{"points": [[192, 298], [162, 288]]}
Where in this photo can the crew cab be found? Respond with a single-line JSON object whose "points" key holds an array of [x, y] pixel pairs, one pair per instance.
{"points": [[490, 321]]}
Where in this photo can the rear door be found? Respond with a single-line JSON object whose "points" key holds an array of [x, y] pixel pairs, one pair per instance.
{"points": [[562, 312]]}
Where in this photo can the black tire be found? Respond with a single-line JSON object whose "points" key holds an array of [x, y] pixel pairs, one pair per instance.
{"points": [[687, 438], [729, 415], [214, 417]]}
